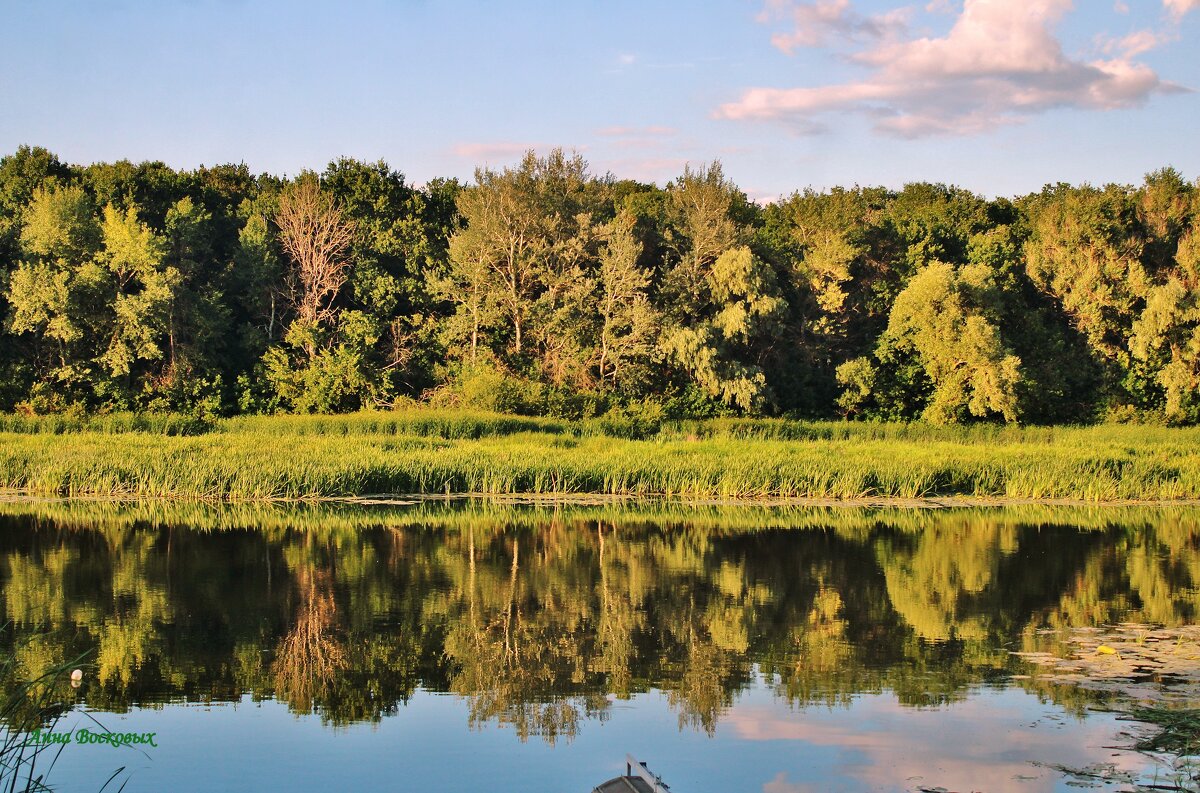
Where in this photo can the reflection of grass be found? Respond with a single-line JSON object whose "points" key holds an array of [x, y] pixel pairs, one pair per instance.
{"points": [[461, 514], [28, 705], [425, 451], [1177, 735], [1178, 729]]}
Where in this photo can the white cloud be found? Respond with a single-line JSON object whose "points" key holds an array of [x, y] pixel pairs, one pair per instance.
{"points": [[1000, 64], [941, 7]]}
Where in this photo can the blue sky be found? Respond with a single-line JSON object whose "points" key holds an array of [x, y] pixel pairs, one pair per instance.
{"points": [[1000, 96]]}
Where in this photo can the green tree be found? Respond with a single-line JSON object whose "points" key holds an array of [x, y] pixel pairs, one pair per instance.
{"points": [[58, 292], [628, 320], [515, 267], [144, 290], [717, 353], [1085, 251]]}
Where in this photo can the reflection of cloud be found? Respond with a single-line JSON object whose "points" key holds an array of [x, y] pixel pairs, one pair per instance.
{"points": [[780, 784], [989, 742], [1000, 64]]}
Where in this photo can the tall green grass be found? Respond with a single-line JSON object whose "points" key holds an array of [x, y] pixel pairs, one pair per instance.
{"points": [[105, 423], [426, 451], [450, 424]]}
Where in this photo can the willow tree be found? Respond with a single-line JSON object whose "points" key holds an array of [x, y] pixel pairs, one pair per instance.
{"points": [[1085, 251], [722, 302], [945, 322], [702, 223], [1166, 335]]}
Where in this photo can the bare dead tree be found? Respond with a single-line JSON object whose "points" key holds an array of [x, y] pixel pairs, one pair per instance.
{"points": [[316, 236]]}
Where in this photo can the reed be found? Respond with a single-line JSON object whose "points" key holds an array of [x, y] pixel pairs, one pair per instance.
{"points": [[428, 451]]}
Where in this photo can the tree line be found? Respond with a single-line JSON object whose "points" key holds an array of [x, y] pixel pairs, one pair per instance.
{"points": [[545, 288]]}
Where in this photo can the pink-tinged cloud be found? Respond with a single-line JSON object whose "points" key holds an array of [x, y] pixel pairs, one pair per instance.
{"points": [[1134, 44], [1178, 8], [622, 132], [492, 151], [815, 23], [1000, 64], [656, 170]]}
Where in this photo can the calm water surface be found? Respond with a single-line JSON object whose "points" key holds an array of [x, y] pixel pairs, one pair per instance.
{"points": [[466, 647]]}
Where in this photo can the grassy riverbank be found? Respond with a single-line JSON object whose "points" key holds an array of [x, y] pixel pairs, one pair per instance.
{"points": [[1175, 525], [426, 451]]}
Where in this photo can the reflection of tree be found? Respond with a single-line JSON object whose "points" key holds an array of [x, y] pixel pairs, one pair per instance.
{"points": [[131, 634], [311, 654], [619, 617], [933, 576], [519, 650], [538, 625]]}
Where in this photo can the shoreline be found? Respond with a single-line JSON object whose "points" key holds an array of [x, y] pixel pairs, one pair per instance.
{"points": [[933, 503]]}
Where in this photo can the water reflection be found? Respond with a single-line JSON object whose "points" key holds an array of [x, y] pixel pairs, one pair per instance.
{"points": [[541, 619], [989, 743]]}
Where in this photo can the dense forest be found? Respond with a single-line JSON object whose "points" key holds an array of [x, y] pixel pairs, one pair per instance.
{"points": [[547, 289]]}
